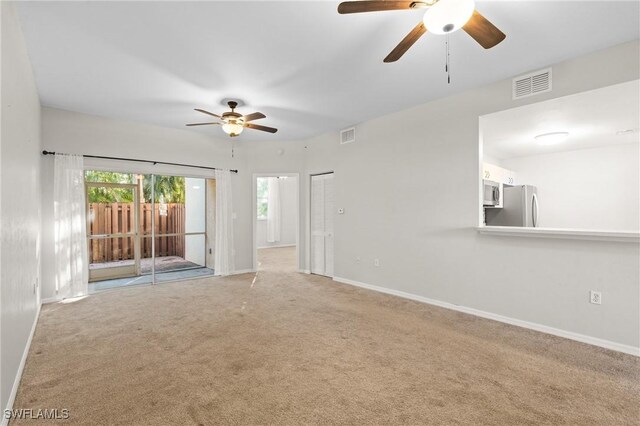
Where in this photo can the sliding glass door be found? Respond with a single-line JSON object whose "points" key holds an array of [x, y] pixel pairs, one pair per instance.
{"points": [[148, 228]]}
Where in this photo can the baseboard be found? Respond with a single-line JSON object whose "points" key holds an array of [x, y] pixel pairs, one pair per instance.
{"points": [[619, 347], [243, 271], [49, 300], [23, 361], [304, 271], [277, 246]]}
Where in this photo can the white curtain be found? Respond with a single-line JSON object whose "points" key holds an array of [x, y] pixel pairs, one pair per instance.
{"points": [[224, 251], [273, 210], [71, 258]]}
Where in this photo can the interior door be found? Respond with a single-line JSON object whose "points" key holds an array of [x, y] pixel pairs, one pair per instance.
{"points": [[112, 231], [322, 224]]}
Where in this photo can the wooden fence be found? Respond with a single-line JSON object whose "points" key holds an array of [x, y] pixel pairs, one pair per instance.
{"points": [[119, 218]]}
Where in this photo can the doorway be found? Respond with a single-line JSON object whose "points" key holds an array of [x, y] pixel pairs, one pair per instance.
{"points": [[275, 224], [322, 224]]}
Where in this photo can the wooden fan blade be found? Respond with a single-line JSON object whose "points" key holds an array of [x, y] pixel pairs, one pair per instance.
{"points": [[258, 127], [254, 116], [200, 124], [406, 43], [207, 112], [483, 31], [374, 6]]}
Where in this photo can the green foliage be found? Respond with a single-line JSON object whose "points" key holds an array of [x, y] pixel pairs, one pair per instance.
{"points": [[109, 195], [168, 189]]}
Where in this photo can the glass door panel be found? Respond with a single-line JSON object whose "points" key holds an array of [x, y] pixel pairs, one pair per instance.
{"points": [[180, 226], [112, 222]]}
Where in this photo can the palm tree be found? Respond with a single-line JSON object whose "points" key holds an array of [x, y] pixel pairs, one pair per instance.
{"points": [[169, 188]]}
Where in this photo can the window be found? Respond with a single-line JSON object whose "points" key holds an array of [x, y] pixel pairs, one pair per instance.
{"points": [[262, 197]]}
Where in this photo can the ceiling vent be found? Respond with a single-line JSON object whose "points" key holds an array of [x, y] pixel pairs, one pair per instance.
{"points": [[532, 84], [348, 136]]}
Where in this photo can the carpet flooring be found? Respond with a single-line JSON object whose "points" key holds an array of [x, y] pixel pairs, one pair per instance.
{"points": [[288, 348]]}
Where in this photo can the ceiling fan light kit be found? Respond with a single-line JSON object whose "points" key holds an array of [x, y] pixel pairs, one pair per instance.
{"points": [[441, 17], [447, 16], [233, 123]]}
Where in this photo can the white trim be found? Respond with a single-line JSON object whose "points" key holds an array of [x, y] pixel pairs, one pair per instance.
{"points": [[572, 234], [23, 361], [242, 271], [49, 300], [277, 246], [619, 347], [304, 271]]}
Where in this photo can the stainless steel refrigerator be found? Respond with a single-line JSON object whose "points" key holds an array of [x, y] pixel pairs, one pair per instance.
{"points": [[519, 208]]}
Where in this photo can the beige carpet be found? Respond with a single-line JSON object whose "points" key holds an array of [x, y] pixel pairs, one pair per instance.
{"points": [[277, 259], [300, 349]]}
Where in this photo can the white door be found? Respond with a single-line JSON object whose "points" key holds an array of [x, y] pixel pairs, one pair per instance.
{"points": [[322, 224]]}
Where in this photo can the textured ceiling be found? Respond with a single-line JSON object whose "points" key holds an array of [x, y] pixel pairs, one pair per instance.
{"points": [[309, 69]]}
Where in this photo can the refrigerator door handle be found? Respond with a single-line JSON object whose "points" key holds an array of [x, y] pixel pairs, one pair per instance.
{"points": [[534, 211]]}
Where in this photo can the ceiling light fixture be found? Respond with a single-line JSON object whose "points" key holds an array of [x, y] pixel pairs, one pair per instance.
{"points": [[232, 128], [626, 132], [447, 16], [551, 138]]}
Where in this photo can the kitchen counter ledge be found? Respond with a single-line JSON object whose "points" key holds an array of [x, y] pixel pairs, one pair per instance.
{"points": [[573, 234]]}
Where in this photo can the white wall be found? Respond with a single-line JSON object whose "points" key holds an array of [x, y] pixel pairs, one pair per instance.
{"points": [[597, 188], [20, 203], [288, 213], [410, 186]]}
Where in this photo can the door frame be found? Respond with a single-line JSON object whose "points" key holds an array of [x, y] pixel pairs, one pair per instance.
{"points": [[136, 234], [254, 210]]}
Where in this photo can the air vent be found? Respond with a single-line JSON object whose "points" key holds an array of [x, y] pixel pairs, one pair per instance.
{"points": [[348, 135], [532, 84]]}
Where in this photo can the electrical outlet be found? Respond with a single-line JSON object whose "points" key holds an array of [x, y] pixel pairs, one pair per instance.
{"points": [[376, 262], [358, 260], [595, 297]]}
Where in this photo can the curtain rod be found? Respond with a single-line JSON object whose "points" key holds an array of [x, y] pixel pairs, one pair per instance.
{"points": [[45, 152]]}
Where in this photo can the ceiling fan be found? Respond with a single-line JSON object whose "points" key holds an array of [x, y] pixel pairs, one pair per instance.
{"points": [[233, 123], [441, 17]]}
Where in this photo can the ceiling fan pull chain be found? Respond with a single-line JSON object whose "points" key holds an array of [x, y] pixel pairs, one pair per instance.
{"points": [[446, 54], [447, 66]]}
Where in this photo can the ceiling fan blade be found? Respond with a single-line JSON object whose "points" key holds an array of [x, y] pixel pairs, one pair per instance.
{"points": [[483, 31], [406, 43], [254, 116], [200, 124], [374, 6], [258, 127], [207, 112]]}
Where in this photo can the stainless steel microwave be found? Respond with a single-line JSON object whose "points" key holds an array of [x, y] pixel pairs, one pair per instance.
{"points": [[492, 194]]}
